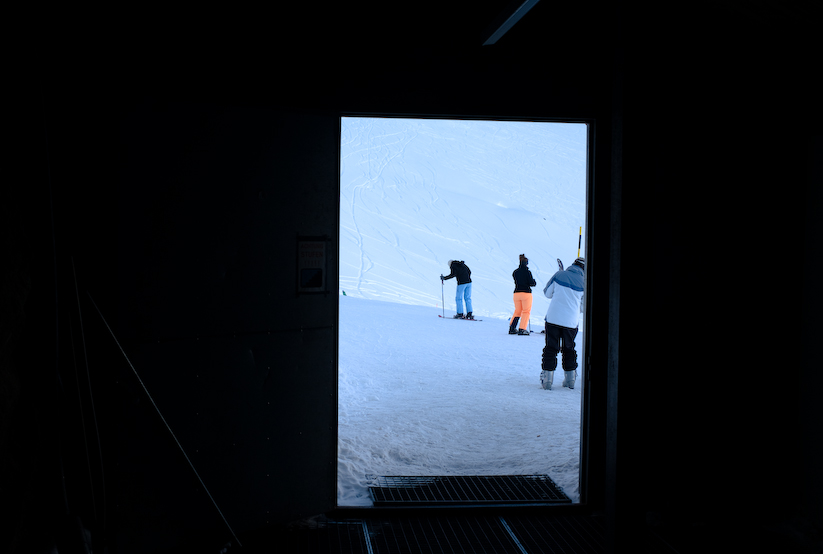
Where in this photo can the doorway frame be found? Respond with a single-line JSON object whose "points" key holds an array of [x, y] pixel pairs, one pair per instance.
{"points": [[597, 411]]}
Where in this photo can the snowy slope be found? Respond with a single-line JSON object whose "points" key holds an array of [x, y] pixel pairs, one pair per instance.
{"points": [[421, 395], [417, 193]]}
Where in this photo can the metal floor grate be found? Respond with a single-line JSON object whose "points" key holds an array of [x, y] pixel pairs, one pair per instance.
{"points": [[422, 533], [473, 489], [561, 534], [475, 535]]}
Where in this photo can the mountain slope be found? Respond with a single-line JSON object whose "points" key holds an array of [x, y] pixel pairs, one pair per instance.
{"points": [[416, 193]]}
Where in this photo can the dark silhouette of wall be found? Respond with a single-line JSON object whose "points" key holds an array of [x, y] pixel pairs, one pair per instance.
{"points": [[167, 176]]}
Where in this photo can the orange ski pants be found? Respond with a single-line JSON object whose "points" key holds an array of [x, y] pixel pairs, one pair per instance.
{"points": [[522, 308]]}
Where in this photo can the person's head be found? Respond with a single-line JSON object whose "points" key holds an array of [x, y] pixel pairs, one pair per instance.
{"points": [[581, 262], [451, 262], [523, 259]]}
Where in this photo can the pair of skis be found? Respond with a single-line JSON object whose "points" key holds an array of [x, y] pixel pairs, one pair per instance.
{"points": [[467, 319]]}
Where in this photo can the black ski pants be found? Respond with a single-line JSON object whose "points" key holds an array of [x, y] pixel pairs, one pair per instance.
{"points": [[555, 335]]}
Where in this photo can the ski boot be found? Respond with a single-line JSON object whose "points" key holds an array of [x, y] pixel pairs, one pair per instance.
{"points": [[513, 326], [569, 378], [546, 379], [469, 315], [458, 316]]}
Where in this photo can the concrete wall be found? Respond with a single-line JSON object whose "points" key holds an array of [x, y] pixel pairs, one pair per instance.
{"points": [[213, 200]]}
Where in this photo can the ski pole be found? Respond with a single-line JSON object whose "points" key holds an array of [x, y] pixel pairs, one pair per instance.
{"points": [[579, 241], [442, 297]]}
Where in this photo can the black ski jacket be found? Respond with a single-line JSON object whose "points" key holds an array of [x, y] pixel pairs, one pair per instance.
{"points": [[461, 271], [523, 280]]}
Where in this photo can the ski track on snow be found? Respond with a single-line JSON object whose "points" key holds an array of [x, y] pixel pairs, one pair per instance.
{"points": [[471, 406]]}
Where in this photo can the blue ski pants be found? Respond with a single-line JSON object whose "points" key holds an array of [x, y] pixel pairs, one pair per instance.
{"points": [[464, 291]]}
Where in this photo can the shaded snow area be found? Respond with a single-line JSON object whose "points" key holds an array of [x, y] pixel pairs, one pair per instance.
{"points": [[422, 395]]}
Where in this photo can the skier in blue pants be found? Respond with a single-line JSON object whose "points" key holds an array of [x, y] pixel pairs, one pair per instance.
{"points": [[462, 273]]}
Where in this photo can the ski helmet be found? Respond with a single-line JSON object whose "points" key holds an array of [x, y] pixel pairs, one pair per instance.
{"points": [[581, 262]]}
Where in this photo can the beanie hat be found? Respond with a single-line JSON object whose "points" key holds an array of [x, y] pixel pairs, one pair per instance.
{"points": [[581, 262]]}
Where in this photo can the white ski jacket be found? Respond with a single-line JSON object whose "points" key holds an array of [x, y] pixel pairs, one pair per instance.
{"points": [[565, 289]]}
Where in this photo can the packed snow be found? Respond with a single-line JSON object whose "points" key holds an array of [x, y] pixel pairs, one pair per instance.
{"points": [[424, 395]]}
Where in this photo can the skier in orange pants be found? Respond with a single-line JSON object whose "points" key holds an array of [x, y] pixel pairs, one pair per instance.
{"points": [[523, 283]]}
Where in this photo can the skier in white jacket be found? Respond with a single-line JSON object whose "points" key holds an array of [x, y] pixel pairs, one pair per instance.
{"points": [[565, 289]]}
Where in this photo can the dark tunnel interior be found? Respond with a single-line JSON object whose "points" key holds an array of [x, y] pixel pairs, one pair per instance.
{"points": [[167, 162]]}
